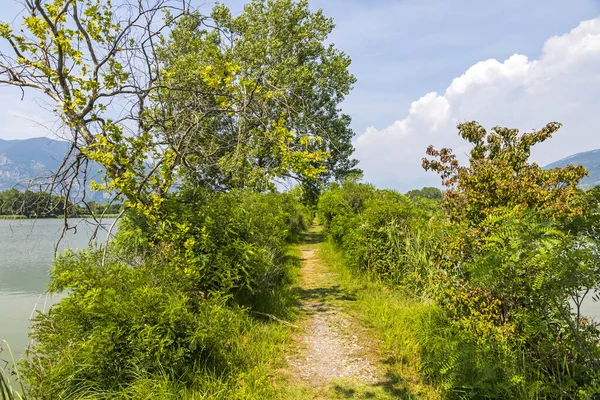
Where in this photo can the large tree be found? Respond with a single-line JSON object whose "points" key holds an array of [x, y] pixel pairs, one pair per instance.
{"points": [[279, 85], [223, 101]]}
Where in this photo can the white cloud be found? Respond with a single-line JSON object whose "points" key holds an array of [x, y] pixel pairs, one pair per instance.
{"points": [[562, 85]]}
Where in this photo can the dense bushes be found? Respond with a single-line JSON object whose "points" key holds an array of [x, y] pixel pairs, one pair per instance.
{"points": [[166, 309], [375, 226], [502, 273], [229, 242], [497, 320]]}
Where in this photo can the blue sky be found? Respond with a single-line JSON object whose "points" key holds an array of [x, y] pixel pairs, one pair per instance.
{"points": [[401, 50], [406, 55], [404, 49]]}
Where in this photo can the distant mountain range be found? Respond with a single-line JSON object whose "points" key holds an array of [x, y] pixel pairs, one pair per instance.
{"points": [[21, 161], [590, 160]]}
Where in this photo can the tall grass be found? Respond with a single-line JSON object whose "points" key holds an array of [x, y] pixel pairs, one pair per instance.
{"points": [[420, 344], [7, 391]]}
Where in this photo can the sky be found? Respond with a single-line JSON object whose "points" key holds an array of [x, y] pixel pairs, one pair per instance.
{"points": [[422, 66]]}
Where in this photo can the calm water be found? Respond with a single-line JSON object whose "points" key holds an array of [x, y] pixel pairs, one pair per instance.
{"points": [[26, 252]]}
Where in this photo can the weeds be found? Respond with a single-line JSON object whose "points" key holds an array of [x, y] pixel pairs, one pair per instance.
{"points": [[8, 378]]}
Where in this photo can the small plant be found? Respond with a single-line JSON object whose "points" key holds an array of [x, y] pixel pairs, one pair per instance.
{"points": [[7, 392]]}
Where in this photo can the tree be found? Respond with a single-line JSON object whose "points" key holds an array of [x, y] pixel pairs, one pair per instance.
{"points": [[500, 175], [280, 92], [97, 66], [427, 192], [222, 101], [10, 202]]}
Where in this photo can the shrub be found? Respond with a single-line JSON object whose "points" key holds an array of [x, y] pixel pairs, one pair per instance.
{"points": [[503, 288], [162, 302]]}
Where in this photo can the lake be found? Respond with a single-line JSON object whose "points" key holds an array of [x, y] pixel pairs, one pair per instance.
{"points": [[26, 251]]}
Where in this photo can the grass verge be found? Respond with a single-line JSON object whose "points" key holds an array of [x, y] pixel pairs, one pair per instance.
{"points": [[398, 320], [11, 387]]}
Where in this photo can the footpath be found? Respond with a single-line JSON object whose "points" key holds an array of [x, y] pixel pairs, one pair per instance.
{"points": [[333, 355]]}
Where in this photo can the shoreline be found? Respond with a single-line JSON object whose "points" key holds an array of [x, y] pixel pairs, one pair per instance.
{"points": [[22, 217]]}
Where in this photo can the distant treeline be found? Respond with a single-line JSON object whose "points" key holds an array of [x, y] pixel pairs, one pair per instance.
{"points": [[32, 204]]}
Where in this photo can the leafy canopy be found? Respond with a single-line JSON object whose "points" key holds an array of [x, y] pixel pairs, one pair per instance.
{"points": [[499, 174], [258, 98], [153, 92]]}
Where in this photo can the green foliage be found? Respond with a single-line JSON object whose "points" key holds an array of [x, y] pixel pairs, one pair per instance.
{"points": [[163, 302], [426, 192], [374, 228], [523, 255], [11, 381], [226, 241], [507, 262], [118, 321], [34, 204], [499, 174], [270, 90], [221, 101], [15, 204], [218, 105]]}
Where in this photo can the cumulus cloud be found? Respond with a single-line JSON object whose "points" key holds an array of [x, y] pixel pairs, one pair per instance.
{"points": [[562, 85]]}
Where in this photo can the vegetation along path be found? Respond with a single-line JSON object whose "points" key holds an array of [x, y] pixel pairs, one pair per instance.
{"points": [[334, 354]]}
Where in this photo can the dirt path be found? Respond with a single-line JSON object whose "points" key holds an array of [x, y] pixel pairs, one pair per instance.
{"points": [[334, 355]]}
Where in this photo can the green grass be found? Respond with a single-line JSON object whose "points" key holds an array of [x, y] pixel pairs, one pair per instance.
{"points": [[348, 389], [398, 320], [100, 215], [390, 318], [13, 217], [10, 380]]}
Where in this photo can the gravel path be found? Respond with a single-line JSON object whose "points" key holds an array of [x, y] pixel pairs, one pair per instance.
{"points": [[333, 344]]}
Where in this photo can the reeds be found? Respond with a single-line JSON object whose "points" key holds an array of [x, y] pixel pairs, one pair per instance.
{"points": [[8, 368]]}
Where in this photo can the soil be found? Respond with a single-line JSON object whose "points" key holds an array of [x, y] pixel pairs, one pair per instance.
{"points": [[332, 345]]}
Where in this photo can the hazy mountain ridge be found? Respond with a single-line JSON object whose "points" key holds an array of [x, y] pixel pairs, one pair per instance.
{"points": [[21, 161], [589, 159]]}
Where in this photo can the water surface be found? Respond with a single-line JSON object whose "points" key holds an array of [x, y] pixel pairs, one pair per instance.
{"points": [[27, 248]]}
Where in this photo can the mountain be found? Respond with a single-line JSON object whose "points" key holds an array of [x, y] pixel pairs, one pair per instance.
{"points": [[23, 160], [590, 160]]}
